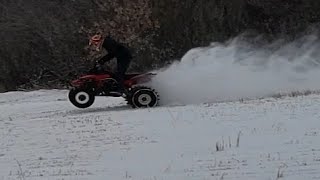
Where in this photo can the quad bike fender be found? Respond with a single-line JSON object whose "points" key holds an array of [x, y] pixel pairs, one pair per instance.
{"points": [[89, 79]]}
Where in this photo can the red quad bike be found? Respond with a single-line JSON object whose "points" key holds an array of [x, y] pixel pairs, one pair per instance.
{"points": [[101, 83]]}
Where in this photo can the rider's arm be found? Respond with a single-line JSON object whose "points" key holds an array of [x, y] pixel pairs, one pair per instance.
{"points": [[106, 58]]}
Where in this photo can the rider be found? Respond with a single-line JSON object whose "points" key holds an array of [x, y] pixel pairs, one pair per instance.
{"points": [[115, 50]]}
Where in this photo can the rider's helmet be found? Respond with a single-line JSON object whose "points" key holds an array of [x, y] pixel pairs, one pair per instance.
{"points": [[96, 41]]}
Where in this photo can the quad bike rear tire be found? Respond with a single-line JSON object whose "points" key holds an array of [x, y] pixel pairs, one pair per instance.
{"points": [[81, 98], [143, 97]]}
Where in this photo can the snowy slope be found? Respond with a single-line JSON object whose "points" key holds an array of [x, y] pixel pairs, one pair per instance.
{"points": [[44, 137]]}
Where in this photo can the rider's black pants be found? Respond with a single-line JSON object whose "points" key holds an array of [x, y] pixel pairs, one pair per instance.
{"points": [[122, 67]]}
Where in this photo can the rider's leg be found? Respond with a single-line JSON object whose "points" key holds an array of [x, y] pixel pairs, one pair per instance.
{"points": [[120, 74]]}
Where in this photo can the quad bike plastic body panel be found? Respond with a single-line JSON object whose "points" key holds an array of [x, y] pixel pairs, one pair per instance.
{"points": [[98, 80]]}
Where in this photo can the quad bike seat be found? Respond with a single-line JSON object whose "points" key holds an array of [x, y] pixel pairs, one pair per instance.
{"points": [[130, 76]]}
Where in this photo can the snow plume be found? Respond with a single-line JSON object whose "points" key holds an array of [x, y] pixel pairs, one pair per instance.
{"points": [[241, 69]]}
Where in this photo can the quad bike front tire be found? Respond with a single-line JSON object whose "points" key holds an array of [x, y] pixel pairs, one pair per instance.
{"points": [[143, 97], [81, 98]]}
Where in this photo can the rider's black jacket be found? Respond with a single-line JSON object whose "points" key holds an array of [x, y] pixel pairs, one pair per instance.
{"points": [[116, 50]]}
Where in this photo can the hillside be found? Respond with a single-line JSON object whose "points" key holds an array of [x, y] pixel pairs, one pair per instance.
{"points": [[44, 137]]}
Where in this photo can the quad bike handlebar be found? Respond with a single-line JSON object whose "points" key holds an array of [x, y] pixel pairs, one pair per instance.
{"points": [[98, 69]]}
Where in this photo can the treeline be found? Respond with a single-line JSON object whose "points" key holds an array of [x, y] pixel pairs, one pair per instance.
{"points": [[44, 43]]}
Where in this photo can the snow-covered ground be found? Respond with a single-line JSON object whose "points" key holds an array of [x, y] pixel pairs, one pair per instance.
{"points": [[43, 136]]}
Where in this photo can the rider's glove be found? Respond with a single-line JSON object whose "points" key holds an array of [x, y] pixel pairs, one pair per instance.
{"points": [[100, 62]]}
